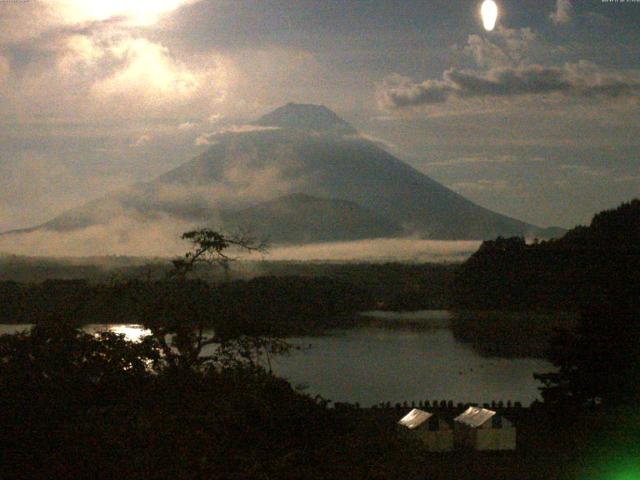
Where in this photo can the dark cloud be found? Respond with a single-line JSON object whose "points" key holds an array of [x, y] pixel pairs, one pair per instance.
{"points": [[508, 81], [575, 80], [399, 92], [309, 24]]}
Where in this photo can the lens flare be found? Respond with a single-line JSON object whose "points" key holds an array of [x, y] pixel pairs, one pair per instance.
{"points": [[489, 12]]}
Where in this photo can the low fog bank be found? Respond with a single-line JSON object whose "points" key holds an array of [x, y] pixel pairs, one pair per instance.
{"points": [[121, 236], [379, 250], [161, 238]]}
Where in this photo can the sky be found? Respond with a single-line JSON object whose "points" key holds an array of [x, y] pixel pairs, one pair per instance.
{"points": [[537, 119]]}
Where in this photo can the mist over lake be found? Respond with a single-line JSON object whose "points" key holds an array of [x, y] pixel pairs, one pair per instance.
{"points": [[379, 250]]}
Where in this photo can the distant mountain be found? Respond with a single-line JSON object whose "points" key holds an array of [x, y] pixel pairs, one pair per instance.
{"points": [[309, 178]]}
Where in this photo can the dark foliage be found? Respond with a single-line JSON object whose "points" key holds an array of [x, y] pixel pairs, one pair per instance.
{"points": [[569, 273], [297, 303], [599, 362], [75, 405], [295, 299], [593, 270]]}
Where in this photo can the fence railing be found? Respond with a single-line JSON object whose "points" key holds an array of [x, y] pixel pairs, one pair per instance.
{"points": [[434, 406]]}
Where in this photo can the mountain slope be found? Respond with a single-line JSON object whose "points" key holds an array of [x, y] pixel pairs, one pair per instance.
{"points": [[352, 169], [300, 218], [316, 118], [310, 151]]}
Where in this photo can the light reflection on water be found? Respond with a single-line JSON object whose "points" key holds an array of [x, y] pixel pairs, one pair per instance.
{"points": [[133, 333]]}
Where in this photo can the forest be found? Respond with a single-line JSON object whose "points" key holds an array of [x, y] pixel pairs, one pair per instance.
{"points": [[587, 263], [295, 296]]}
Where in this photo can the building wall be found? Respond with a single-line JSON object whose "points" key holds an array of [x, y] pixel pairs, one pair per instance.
{"points": [[438, 441], [496, 439], [485, 438], [464, 437]]}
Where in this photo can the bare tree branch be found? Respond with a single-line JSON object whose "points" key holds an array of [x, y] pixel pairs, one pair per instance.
{"points": [[209, 247]]}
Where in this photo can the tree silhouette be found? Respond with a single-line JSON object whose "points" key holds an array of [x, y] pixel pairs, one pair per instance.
{"points": [[211, 247], [599, 362], [179, 313]]}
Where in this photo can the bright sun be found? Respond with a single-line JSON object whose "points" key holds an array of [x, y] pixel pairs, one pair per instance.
{"points": [[138, 12], [489, 12]]}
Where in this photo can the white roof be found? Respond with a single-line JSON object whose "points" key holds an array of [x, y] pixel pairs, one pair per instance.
{"points": [[474, 416], [415, 418]]}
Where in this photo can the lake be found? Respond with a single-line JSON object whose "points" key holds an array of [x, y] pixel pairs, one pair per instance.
{"points": [[375, 363]]}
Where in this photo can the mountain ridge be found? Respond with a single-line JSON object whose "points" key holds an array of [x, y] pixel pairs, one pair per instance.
{"points": [[310, 151], [317, 118]]}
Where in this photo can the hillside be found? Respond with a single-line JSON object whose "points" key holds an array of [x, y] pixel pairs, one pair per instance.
{"points": [[601, 260]]}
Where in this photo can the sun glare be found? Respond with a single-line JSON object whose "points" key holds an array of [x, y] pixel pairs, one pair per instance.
{"points": [[489, 12], [139, 12]]}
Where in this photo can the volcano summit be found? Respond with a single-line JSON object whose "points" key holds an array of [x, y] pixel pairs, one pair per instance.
{"points": [[299, 174]]}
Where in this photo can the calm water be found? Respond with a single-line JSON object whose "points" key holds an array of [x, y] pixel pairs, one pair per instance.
{"points": [[370, 365], [375, 363]]}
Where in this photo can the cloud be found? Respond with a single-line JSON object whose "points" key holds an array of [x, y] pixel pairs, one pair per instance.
{"points": [[481, 186], [31, 19], [533, 79], [146, 73], [161, 238], [580, 80], [83, 62], [108, 72], [24, 20], [142, 140], [204, 139], [628, 178], [198, 196], [505, 47], [239, 184], [586, 170], [399, 91], [121, 236], [563, 12], [5, 68], [378, 250], [122, 223], [483, 160], [138, 13], [210, 137], [36, 186], [29, 179]]}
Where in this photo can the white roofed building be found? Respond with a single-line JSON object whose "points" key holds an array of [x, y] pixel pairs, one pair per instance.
{"points": [[483, 429], [435, 433]]}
